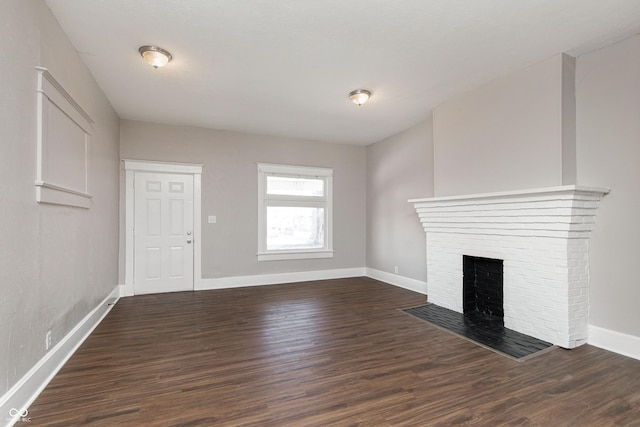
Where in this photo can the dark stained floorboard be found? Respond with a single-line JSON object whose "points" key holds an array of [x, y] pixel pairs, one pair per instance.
{"points": [[325, 353]]}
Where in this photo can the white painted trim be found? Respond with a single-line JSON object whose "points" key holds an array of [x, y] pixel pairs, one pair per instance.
{"points": [[126, 290], [56, 195], [278, 278], [133, 166], [66, 190], [197, 229], [129, 217], [397, 280], [163, 167], [51, 96], [627, 345], [25, 391], [294, 170], [53, 90], [528, 192], [302, 254]]}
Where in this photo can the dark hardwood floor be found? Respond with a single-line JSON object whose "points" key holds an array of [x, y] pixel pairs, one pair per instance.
{"points": [[326, 353]]}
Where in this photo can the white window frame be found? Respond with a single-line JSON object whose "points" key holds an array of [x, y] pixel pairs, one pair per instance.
{"points": [[264, 200]]}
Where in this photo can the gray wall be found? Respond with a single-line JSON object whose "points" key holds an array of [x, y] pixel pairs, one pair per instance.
{"points": [[505, 135], [230, 191], [399, 168], [608, 135], [57, 262]]}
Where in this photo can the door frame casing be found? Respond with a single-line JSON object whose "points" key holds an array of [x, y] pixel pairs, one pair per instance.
{"points": [[130, 168]]}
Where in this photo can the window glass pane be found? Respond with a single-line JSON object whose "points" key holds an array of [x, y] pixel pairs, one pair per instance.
{"points": [[295, 228], [283, 185]]}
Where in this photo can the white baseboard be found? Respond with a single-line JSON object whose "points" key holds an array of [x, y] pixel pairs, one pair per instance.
{"points": [[277, 278], [126, 290], [627, 345], [24, 392], [397, 280]]}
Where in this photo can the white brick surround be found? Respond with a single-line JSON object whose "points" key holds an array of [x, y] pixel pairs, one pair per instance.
{"points": [[543, 237]]}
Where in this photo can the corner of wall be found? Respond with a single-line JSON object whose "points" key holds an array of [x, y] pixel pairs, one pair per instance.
{"points": [[568, 121], [397, 280]]}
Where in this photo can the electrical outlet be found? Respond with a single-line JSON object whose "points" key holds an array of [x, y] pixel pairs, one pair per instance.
{"points": [[212, 219], [395, 269], [48, 340]]}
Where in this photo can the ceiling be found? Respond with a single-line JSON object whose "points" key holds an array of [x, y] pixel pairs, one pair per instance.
{"points": [[285, 67]]}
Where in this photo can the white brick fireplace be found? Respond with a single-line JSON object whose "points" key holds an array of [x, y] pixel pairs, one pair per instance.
{"points": [[542, 236]]}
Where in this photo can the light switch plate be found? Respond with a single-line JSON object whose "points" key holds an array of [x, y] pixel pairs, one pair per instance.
{"points": [[211, 219]]}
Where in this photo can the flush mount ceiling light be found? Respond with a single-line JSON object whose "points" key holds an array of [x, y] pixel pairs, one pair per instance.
{"points": [[360, 96], [155, 56]]}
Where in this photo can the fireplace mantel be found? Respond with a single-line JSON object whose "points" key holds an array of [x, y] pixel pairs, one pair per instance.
{"points": [[543, 237], [542, 192]]}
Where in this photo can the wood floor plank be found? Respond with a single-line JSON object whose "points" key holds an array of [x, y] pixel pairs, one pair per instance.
{"points": [[325, 353]]}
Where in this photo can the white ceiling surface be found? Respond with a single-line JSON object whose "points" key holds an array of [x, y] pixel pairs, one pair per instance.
{"points": [[285, 67]]}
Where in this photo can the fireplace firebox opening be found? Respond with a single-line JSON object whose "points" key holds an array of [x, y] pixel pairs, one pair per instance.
{"points": [[482, 288]]}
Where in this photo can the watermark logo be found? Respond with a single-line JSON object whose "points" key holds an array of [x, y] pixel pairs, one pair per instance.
{"points": [[21, 415]]}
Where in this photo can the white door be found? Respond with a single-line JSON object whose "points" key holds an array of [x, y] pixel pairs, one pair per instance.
{"points": [[163, 232]]}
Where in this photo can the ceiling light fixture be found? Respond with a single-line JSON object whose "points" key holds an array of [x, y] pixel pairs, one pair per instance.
{"points": [[155, 56], [360, 96]]}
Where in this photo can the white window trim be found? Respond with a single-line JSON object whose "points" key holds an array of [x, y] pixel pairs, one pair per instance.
{"points": [[268, 169]]}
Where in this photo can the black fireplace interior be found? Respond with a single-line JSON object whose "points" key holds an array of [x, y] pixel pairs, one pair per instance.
{"points": [[482, 319], [482, 294]]}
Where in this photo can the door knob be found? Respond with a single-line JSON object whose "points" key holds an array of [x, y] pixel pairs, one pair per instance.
{"points": [[189, 241]]}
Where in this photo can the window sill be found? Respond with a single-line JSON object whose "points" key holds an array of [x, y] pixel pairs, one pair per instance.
{"points": [[287, 255]]}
